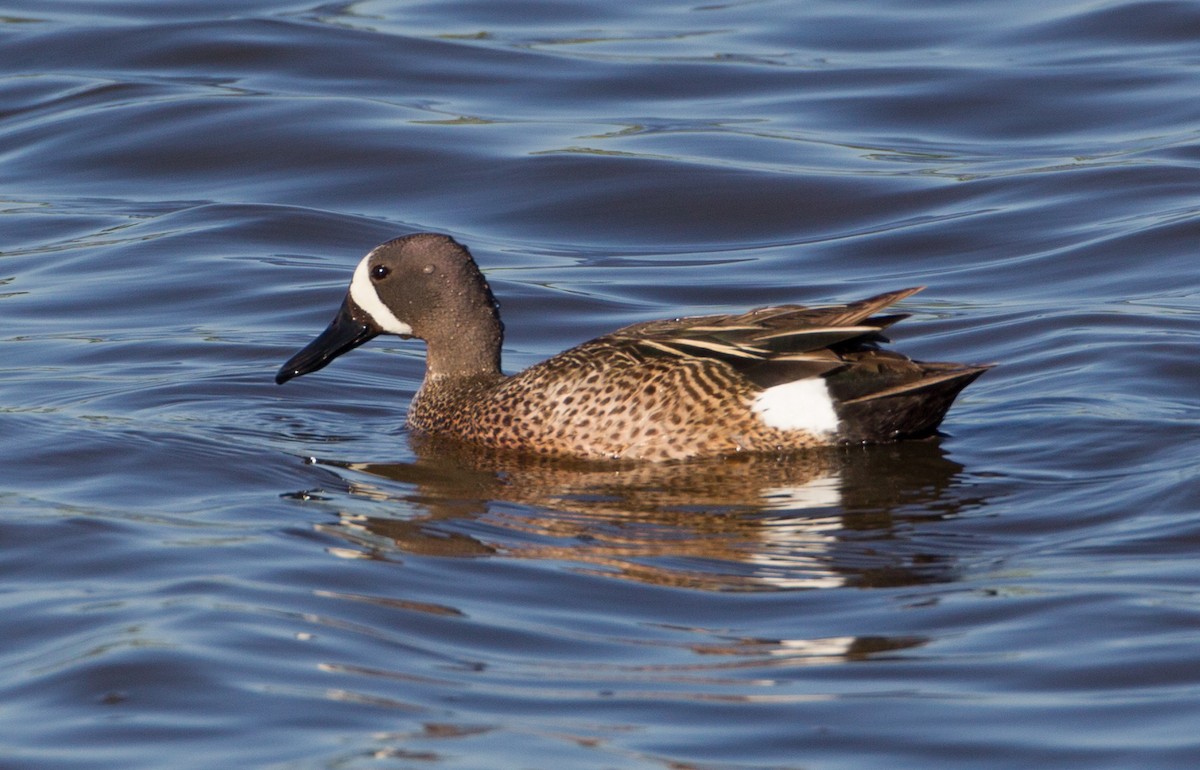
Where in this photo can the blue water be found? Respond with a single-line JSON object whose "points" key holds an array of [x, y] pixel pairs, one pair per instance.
{"points": [[202, 569]]}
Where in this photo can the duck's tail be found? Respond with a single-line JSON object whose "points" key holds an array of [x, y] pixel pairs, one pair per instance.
{"points": [[909, 410]]}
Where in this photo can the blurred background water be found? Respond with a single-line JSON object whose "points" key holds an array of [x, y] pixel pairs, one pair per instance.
{"points": [[201, 569]]}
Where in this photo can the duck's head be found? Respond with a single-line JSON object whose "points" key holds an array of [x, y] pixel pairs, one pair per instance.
{"points": [[424, 285]]}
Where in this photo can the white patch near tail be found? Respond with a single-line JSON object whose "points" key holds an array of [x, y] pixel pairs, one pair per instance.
{"points": [[362, 291], [799, 405]]}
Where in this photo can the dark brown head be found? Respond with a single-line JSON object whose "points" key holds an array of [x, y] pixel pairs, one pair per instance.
{"points": [[425, 286]]}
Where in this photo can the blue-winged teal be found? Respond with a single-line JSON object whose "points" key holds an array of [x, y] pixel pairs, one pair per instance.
{"points": [[775, 379]]}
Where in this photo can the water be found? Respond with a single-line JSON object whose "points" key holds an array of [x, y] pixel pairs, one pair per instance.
{"points": [[202, 569]]}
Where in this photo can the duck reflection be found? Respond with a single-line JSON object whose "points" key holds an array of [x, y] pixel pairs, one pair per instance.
{"points": [[816, 520]]}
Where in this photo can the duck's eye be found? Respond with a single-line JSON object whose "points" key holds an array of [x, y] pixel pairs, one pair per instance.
{"points": [[379, 272]]}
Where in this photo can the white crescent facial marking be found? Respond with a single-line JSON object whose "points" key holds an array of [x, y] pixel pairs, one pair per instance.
{"points": [[800, 405], [362, 291]]}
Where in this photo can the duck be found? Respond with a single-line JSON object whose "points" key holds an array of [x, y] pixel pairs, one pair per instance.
{"points": [[772, 380]]}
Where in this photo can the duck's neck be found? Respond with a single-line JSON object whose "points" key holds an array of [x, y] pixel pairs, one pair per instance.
{"points": [[462, 365], [464, 352], [469, 346]]}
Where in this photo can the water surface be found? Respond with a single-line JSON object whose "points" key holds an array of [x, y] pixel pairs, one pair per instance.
{"points": [[205, 570]]}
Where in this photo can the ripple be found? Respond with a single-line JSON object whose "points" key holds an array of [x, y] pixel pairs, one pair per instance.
{"points": [[205, 569]]}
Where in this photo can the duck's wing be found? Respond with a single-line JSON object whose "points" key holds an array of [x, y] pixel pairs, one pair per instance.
{"points": [[770, 344], [879, 394]]}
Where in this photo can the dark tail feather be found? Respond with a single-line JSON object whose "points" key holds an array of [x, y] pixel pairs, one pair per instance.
{"points": [[911, 410]]}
